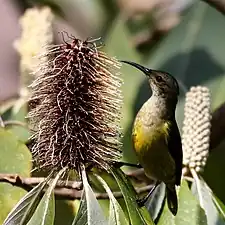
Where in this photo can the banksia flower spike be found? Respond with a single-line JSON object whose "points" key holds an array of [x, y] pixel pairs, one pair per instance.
{"points": [[196, 128], [77, 103], [37, 33]]}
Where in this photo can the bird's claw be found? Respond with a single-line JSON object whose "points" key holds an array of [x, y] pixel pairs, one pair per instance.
{"points": [[141, 201]]}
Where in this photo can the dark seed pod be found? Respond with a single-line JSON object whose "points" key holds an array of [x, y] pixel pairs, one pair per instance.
{"points": [[76, 103]]}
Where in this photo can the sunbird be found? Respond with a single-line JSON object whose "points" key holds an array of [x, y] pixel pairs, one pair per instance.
{"points": [[155, 135]]}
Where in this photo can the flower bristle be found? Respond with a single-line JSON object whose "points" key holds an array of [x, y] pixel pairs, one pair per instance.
{"points": [[76, 108]]}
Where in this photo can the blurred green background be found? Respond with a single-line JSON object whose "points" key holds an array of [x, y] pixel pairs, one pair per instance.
{"points": [[182, 37]]}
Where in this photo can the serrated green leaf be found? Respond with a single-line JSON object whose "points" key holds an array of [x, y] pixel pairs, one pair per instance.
{"points": [[143, 210], [220, 206], [45, 211], [204, 195], [155, 202], [189, 210], [25, 207], [81, 217], [95, 215], [129, 195], [116, 214], [147, 217], [15, 158]]}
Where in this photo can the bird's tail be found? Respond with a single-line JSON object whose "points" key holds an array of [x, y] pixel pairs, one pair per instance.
{"points": [[171, 196]]}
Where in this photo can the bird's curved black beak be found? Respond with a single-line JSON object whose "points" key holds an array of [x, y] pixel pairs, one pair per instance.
{"points": [[145, 70]]}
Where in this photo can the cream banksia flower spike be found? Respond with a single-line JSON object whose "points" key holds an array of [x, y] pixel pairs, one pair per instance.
{"points": [[196, 128], [76, 103], [37, 33]]}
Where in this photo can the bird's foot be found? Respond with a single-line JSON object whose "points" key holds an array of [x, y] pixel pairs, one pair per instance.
{"points": [[141, 202]]}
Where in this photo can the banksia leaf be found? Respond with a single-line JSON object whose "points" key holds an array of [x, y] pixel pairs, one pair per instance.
{"points": [[76, 108], [196, 128]]}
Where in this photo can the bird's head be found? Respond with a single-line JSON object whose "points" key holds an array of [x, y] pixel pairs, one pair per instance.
{"points": [[161, 83]]}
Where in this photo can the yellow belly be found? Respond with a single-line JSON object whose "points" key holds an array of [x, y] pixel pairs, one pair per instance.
{"points": [[150, 145], [144, 135]]}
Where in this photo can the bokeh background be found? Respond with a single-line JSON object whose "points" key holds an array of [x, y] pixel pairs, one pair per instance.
{"points": [[182, 37]]}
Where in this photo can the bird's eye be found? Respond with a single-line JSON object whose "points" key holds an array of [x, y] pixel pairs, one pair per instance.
{"points": [[158, 78]]}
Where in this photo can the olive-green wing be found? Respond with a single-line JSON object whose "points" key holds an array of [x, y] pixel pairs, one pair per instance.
{"points": [[175, 149]]}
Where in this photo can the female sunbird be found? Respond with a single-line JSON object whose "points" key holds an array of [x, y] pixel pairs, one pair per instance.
{"points": [[155, 135]]}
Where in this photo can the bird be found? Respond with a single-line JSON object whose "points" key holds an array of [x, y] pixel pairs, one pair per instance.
{"points": [[155, 134]]}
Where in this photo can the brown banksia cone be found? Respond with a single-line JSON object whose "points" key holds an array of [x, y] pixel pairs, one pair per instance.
{"points": [[76, 108], [196, 128]]}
